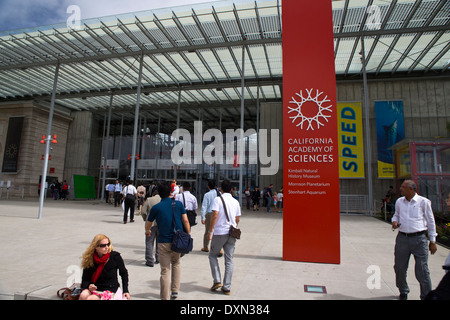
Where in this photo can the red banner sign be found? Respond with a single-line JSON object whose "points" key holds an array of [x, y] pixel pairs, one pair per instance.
{"points": [[310, 143]]}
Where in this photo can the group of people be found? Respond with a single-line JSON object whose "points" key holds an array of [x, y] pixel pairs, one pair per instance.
{"points": [[164, 214], [128, 196], [165, 211], [268, 197], [59, 190]]}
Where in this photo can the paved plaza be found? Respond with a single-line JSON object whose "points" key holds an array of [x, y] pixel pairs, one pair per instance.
{"points": [[40, 256]]}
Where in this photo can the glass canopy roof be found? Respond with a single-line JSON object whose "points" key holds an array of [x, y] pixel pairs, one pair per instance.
{"points": [[197, 50]]}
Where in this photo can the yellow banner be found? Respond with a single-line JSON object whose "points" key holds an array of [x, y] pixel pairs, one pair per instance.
{"points": [[403, 162], [350, 138], [385, 170]]}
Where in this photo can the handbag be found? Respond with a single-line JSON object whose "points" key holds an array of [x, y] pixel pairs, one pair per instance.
{"points": [[72, 293], [234, 232], [182, 241]]}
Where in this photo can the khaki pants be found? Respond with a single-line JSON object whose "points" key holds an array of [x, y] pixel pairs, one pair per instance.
{"points": [[206, 235], [170, 270], [111, 197]]}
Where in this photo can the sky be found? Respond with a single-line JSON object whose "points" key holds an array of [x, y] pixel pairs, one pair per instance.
{"points": [[21, 14]]}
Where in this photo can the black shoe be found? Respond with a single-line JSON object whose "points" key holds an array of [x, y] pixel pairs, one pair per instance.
{"points": [[403, 296], [216, 286], [225, 291]]}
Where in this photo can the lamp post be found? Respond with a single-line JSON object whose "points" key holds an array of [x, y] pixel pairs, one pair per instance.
{"points": [[45, 140], [48, 139]]}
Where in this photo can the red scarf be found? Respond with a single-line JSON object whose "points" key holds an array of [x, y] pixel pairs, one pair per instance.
{"points": [[101, 264]]}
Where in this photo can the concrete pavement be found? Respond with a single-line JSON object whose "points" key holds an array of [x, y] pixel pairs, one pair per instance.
{"points": [[40, 256]]}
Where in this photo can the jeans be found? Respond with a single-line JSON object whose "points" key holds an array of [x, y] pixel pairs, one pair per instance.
{"points": [[269, 199], [228, 244], [152, 256]]}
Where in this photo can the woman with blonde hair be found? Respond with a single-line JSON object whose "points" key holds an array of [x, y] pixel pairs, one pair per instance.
{"points": [[100, 265]]}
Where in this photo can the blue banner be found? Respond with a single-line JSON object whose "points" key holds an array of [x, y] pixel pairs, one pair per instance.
{"points": [[390, 130]]}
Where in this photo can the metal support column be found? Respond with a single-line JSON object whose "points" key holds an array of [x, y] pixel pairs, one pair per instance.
{"points": [[47, 142], [242, 144], [257, 137], [105, 157], [102, 157], [367, 125], [217, 165], [158, 146], [136, 119], [175, 171]]}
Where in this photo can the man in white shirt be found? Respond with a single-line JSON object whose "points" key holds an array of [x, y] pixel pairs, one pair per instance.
{"points": [[129, 197], [413, 218], [189, 202], [219, 230]]}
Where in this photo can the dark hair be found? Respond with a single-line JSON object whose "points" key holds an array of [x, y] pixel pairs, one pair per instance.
{"points": [[226, 185], [186, 186], [211, 184], [164, 190], [155, 190]]}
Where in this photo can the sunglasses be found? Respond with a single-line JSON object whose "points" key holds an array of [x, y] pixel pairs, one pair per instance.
{"points": [[104, 245]]}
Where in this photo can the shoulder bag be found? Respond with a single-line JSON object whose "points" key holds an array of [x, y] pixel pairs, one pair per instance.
{"points": [[182, 241], [191, 214], [130, 196], [234, 232], [71, 293]]}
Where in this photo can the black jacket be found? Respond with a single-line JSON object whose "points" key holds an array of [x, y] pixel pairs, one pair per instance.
{"points": [[108, 278]]}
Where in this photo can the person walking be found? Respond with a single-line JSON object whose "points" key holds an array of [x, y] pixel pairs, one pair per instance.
{"points": [[64, 190], [206, 212], [280, 201], [151, 255], [129, 197], [256, 196], [219, 230], [110, 196], [413, 218], [117, 193], [166, 213], [268, 196], [189, 202], [248, 197]]}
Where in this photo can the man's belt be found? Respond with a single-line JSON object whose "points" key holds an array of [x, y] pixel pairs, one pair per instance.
{"points": [[413, 234]]}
